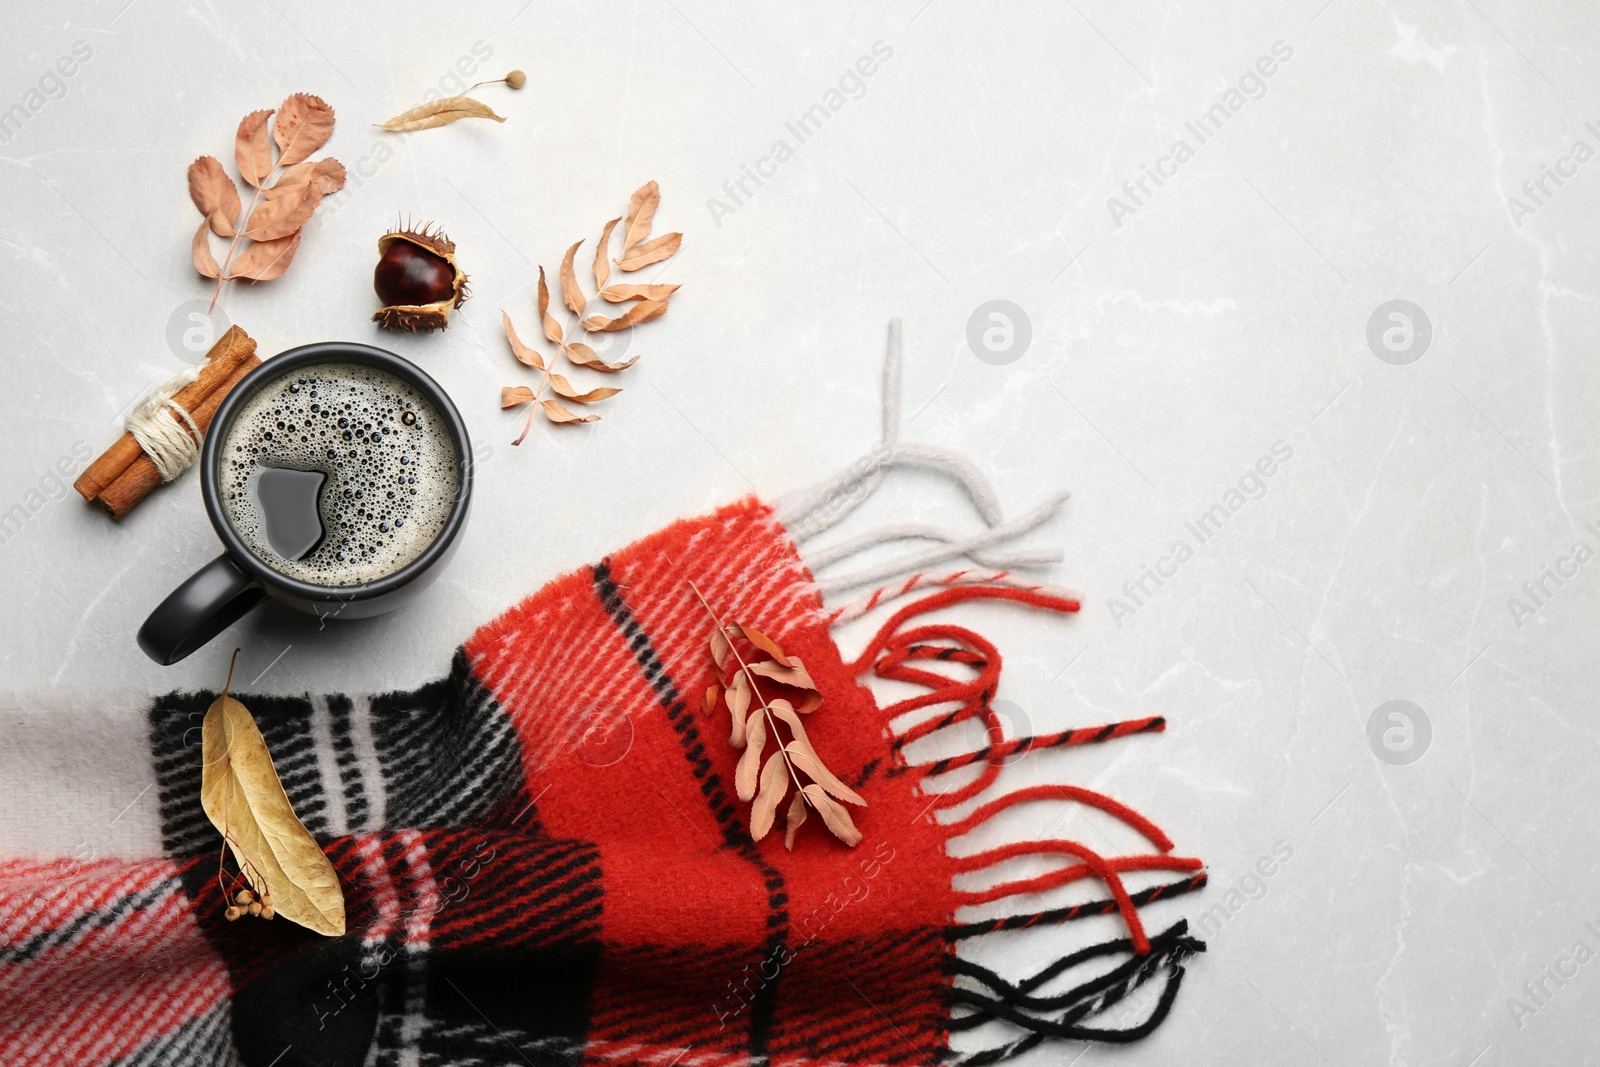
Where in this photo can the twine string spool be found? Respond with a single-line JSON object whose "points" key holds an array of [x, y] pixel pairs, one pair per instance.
{"points": [[172, 446]]}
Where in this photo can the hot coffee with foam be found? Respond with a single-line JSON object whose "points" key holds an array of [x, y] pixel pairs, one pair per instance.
{"points": [[338, 474]]}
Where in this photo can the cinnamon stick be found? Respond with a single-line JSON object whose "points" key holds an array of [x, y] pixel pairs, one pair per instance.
{"points": [[223, 359], [135, 483]]}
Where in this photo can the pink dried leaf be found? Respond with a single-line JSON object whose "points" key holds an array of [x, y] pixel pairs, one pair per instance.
{"points": [[774, 786], [526, 356], [835, 815], [304, 125], [796, 818], [745, 775], [252, 147]]}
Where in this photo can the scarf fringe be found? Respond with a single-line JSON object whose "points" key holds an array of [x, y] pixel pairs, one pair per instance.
{"points": [[911, 652], [904, 649]]}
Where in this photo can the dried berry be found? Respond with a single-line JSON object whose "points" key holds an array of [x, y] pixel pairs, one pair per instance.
{"points": [[516, 79], [242, 897], [232, 913], [417, 279], [255, 907]]}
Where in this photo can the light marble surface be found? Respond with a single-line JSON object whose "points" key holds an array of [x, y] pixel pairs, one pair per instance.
{"points": [[1176, 340]]}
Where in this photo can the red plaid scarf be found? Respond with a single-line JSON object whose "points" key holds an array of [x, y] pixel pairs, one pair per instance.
{"points": [[544, 861]]}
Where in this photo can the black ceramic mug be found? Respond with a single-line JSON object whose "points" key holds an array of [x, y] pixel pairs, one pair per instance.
{"points": [[360, 426]]}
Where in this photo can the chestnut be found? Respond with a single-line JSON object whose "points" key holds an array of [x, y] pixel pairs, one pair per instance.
{"points": [[417, 279]]}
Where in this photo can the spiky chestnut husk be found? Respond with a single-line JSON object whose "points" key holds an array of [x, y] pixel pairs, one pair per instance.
{"points": [[417, 279]]}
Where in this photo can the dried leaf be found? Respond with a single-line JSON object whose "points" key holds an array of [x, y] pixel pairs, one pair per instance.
{"points": [[763, 642], [552, 328], [584, 356], [720, 649], [835, 815], [712, 697], [806, 759], [795, 675], [514, 396], [200, 252], [252, 147], [738, 697], [215, 195], [774, 787], [571, 295], [241, 795], [556, 413], [602, 256], [326, 175], [439, 113], [641, 214], [304, 125], [565, 389], [643, 311], [744, 777], [621, 294], [525, 355], [293, 197], [655, 251], [265, 260], [797, 816]]}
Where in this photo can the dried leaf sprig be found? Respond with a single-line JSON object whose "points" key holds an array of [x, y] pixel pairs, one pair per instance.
{"points": [[765, 786], [647, 302], [290, 183], [286, 870], [444, 111]]}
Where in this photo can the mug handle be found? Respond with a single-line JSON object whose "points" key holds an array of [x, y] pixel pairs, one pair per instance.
{"points": [[213, 598]]}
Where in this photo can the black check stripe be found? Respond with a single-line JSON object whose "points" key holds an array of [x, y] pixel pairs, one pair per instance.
{"points": [[716, 793]]}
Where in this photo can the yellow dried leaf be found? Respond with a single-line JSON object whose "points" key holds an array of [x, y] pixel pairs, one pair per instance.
{"points": [[835, 815], [641, 214], [440, 112], [774, 787], [571, 295], [525, 355], [744, 777], [215, 195], [796, 817], [602, 256], [655, 251], [565, 389], [241, 795], [304, 125], [514, 395], [712, 697], [643, 311], [556, 413], [584, 356], [252, 147], [265, 260], [621, 294], [552, 329]]}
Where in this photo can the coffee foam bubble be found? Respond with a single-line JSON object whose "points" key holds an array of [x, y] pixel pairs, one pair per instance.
{"points": [[390, 465]]}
